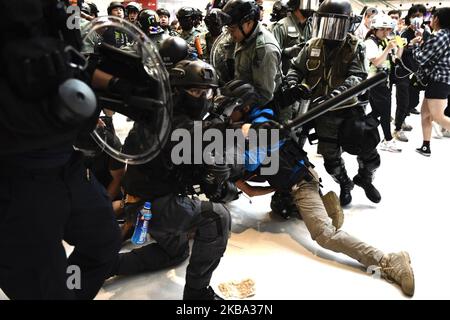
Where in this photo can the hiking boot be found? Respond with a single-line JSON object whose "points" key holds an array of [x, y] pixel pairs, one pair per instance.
{"points": [[371, 192], [424, 150], [396, 267], [406, 127], [200, 294], [334, 209], [400, 136]]}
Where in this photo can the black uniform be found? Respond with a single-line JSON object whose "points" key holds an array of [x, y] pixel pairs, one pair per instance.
{"points": [[46, 195], [174, 215]]}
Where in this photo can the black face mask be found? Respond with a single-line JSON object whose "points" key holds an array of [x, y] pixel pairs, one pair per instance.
{"points": [[186, 24], [195, 108], [332, 44]]}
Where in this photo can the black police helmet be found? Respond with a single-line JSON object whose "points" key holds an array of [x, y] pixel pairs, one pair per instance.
{"points": [[163, 12], [240, 11], [115, 4], [94, 9], [219, 4], [86, 8], [173, 50], [193, 74], [185, 12], [279, 10], [341, 7], [148, 18]]}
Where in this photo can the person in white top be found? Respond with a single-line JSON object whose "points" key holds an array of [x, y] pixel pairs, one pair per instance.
{"points": [[364, 27], [381, 53]]}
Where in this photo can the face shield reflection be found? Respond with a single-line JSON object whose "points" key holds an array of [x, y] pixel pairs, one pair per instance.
{"points": [[137, 100]]}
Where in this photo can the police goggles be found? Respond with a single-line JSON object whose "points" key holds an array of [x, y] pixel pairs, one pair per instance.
{"points": [[331, 26], [208, 93]]}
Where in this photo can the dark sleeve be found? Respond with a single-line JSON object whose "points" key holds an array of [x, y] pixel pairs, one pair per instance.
{"points": [[357, 70], [297, 70]]}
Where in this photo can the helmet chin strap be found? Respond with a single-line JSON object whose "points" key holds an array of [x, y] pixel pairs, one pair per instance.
{"points": [[246, 36]]}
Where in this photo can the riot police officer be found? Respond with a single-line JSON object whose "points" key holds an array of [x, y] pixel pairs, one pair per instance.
{"points": [[167, 186], [114, 36], [116, 9], [132, 10], [279, 11], [214, 25], [257, 53], [172, 50], [164, 16], [46, 193], [332, 61], [148, 21], [186, 17], [293, 31]]}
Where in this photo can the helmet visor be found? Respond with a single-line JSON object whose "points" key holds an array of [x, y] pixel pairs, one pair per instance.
{"points": [[331, 27], [312, 5]]}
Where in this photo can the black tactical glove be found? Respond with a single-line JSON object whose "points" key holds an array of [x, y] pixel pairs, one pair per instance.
{"points": [[126, 88], [332, 94], [241, 90], [268, 125], [292, 52], [226, 192], [300, 91], [337, 91]]}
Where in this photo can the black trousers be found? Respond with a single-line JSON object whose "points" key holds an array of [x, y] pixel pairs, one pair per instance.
{"points": [[327, 128], [414, 97], [380, 101], [38, 209], [402, 98], [173, 217]]}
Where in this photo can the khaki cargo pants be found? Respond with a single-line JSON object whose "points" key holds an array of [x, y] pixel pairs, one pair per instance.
{"points": [[307, 198]]}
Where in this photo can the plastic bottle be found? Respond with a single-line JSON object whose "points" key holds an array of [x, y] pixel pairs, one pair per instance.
{"points": [[140, 231]]}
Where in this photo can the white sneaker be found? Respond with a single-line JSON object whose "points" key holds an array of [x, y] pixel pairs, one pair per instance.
{"points": [[406, 127], [445, 133], [400, 136], [390, 146], [437, 130]]}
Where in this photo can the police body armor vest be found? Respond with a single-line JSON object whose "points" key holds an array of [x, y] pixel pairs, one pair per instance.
{"points": [[324, 74]]}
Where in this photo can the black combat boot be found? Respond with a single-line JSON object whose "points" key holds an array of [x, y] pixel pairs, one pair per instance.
{"points": [[336, 169], [364, 180], [345, 197], [200, 294], [283, 205]]}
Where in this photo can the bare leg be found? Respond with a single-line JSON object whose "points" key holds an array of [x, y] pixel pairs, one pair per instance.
{"points": [[436, 108], [426, 120]]}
